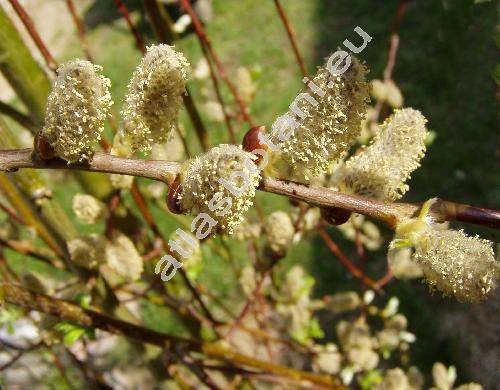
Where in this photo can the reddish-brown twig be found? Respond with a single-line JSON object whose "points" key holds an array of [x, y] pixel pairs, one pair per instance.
{"points": [[205, 40], [291, 37], [12, 214], [80, 28], [391, 53], [138, 38], [218, 93], [30, 26], [385, 279], [355, 271]]}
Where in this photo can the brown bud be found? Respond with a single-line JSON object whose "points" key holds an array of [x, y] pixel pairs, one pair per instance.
{"points": [[43, 147], [252, 142], [173, 196], [335, 215]]}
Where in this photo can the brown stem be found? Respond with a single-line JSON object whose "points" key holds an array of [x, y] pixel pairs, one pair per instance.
{"points": [[389, 213], [80, 28], [205, 40], [30, 26], [355, 271], [291, 37], [138, 39], [70, 312]]}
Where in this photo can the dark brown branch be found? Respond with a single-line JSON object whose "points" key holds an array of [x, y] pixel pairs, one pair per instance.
{"points": [[389, 213]]}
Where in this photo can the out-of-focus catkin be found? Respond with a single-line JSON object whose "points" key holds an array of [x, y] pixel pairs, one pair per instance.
{"points": [[381, 169], [280, 232], [76, 110], [330, 123], [154, 97], [202, 187]]}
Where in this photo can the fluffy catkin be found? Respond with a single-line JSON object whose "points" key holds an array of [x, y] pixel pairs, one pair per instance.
{"points": [[329, 126], [201, 182], [76, 110], [381, 169], [457, 264], [154, 97]]}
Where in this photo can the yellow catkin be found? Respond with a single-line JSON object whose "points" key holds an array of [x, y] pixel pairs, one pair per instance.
{"points": [[154, 97], [76, 110], [329, 128], [200, 181], [457, 264], [381, 170]]}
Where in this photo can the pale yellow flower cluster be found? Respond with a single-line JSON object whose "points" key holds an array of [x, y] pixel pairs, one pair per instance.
{"points": [[219, 185], [154, 97], [76, 110], [380, 171]]}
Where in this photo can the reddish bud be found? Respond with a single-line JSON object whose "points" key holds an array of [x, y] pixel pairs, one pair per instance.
{"points": [[251, 141], [43, 147], [173, 196], [335, 216]]}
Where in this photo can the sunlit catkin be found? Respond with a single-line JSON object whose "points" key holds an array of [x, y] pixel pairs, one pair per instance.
{"points": [[457, 264], [76, 110], [154, 97], [381, 170], [451, 261], [220, 183], [327, 119]]}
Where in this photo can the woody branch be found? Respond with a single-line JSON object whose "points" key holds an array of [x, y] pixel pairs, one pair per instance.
{"points": [[165, 171]]}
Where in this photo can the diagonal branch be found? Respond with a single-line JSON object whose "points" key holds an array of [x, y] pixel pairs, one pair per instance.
{"points": [[389, 213], [68, 311]]}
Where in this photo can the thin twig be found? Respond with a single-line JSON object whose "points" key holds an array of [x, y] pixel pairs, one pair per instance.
{"points": [[355, 271], [80, 28], [30, 26], [291, 37], [138, 38], [205, 40]]}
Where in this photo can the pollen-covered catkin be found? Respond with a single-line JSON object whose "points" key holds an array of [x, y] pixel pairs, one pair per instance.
{"points": [[381, 169], [329, 123], [76, 110], [154, 97], [203, 188], [457, 264]]}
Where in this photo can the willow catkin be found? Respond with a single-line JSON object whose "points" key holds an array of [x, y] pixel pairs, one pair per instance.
{"points": [[280, 231], [457, 264], [154, 97], [76, 110], [330, 123], [381, 170], [88, 209], [202, 181], [451, 261]]}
